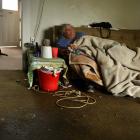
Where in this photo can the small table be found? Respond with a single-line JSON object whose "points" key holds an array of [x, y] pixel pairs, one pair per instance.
{"points": [[38, 62]]}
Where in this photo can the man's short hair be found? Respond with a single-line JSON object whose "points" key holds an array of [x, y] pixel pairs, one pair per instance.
{"points": [[64, 27]]}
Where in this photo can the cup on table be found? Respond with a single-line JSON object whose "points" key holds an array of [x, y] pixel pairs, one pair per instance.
{"points": [[54, 52]]}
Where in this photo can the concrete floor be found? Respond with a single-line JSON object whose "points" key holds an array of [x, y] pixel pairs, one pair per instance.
{"points": [[26, 115], [14, 59]]}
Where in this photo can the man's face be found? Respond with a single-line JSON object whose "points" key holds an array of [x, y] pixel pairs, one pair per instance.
{"points": [[69, 32]]}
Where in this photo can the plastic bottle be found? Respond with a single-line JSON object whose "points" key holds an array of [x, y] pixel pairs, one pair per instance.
{"points": [[37, 51]]}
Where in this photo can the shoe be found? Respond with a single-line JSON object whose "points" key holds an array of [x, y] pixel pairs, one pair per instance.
{"points": [[90, 88]]}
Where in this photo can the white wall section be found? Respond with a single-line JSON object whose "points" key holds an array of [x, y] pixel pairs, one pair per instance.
{"points": [[121, 13]]}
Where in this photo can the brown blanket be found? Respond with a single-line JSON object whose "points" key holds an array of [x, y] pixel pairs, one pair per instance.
{"points": [[85, 67]]}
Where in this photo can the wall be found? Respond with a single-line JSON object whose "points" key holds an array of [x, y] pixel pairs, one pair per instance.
{"points": [[121, 13]]}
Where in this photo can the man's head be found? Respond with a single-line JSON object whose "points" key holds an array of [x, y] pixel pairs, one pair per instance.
{"points": [[68, 31]]}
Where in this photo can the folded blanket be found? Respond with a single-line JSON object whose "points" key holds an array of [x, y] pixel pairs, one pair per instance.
{"points": [[118, 65]]}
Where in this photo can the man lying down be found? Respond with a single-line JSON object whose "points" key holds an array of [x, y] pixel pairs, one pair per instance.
{"points": [[107, 63]]}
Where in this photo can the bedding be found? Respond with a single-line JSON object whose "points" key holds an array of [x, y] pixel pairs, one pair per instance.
{"points": [[108, 63]]}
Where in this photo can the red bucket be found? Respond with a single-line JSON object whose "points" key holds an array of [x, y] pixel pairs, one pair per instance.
{"points": [[48, 81]]}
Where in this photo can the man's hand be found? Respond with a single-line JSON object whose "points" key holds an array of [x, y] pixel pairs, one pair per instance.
{"points": [[72, 46]]}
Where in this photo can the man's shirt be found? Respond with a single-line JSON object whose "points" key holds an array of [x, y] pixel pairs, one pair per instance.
{"points": [[64, 42]]}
